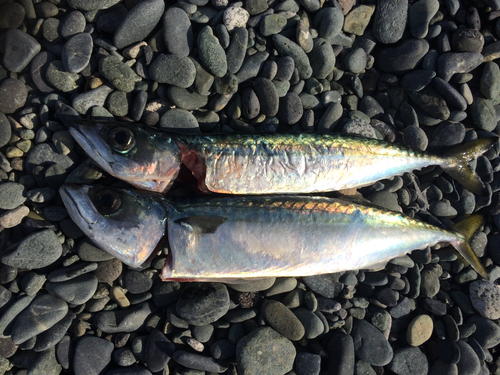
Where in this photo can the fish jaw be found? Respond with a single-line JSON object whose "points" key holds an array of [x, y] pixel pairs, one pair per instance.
{"points": [[152, 165], [131, 235]]}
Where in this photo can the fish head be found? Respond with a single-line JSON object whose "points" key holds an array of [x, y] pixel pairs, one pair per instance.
{"points": [[126, 224], [144, 157]]}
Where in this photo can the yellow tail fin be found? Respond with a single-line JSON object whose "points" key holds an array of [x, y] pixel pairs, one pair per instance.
{"points": [[460, 170], [467, 228]]}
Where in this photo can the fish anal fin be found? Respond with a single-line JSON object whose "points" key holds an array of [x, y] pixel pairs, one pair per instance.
{"points": [[202, 224]]}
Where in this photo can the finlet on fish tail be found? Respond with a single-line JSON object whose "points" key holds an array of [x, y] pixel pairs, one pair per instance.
{"points": [[461, 171], [467, 228]]}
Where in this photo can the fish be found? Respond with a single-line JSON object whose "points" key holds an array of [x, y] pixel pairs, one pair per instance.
{"points": [[260, 164], [235, 238]]}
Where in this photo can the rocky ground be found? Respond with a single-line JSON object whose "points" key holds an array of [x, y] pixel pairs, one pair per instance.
{"points": [[421, 73]]}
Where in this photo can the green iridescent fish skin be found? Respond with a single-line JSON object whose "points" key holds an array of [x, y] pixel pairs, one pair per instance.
{"points": [[260, 164], [234, 238]]}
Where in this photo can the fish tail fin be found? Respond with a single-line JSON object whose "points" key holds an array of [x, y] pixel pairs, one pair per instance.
{"points": [[461, 171], [466, 228]]}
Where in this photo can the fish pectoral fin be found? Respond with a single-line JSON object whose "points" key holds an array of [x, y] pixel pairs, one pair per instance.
{"points": [[202, 224]]}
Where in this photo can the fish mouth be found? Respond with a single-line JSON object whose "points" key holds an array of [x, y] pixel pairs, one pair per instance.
{"points": [[86, 134], [78, 204]]}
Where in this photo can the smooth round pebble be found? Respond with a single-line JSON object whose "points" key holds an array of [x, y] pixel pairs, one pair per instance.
{"points": [[419, 330]]}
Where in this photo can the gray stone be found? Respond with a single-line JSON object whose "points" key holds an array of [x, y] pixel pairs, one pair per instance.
{"points": [[264, 351], [119, 74], [42, 313], [76, 52], [390, 20], [13, 95], [211, 53], [138, 23], [286, 47], [404, 57], [177, 32], [172, 69], [19, 49], [36, 250]]}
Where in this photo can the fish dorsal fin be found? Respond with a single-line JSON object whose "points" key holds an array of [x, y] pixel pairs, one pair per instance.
{"points": [[203, 224]]}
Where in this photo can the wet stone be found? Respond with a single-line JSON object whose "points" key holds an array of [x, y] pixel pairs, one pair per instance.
{"points": [[92, 355], [18, 51], [264, 351], [76, 52], [138, 23], [42, 313], [390, 20], [177, 32]]}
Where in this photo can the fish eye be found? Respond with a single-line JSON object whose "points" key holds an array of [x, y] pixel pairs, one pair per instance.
{"points": [[107, 201], [121, 139]]}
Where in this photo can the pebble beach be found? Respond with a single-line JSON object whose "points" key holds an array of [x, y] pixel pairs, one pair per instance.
{"points": [[423, 74]]}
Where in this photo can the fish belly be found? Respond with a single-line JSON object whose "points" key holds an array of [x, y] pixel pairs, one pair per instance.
{"points": [[264, 242]]}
